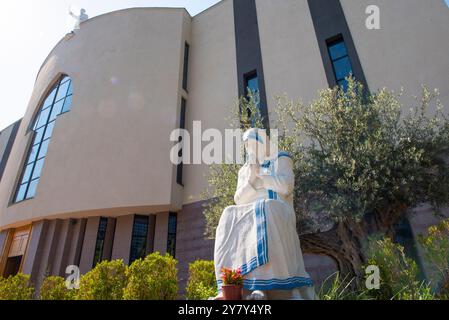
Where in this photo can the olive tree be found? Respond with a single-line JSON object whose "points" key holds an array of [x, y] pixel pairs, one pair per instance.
{"points": [[361, 162]]}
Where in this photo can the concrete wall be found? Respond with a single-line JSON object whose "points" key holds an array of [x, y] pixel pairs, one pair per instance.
{"points": [[4, 235], [7, 138], [212, 82], [161, 232], [89, 242], [190, 242], [36, 243], [290, 52], [421, 219], [320, 268], [409, 50], [52, 246], [103, 153], [76, 242], [122, 239]]}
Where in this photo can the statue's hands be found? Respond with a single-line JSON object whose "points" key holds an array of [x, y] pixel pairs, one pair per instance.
{"points": [[253, 174], [264, 180]]}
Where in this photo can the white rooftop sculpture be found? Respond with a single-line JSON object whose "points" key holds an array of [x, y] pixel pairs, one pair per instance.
{"points": [[79, 18]]}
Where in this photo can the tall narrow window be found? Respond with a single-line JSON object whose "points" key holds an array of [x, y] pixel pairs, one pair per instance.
{"points": [[251, 82], [252, 86], [99, 244], [139, 238], [171, 237], [58, 101], [186, 67], [182, 125], [340, 61]]}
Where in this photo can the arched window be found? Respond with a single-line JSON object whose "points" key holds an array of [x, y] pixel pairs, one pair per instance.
{"points": [[58, 101]]}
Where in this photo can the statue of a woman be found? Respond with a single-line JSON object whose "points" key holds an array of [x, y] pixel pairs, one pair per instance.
{"points": [[258, 235]]}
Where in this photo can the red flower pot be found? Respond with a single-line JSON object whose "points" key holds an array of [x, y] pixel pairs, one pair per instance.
{"points": [[232, 292]]}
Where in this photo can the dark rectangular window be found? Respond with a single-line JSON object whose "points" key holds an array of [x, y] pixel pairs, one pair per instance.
{"points": [[171, 237], [251, 82], [340, 61], [186, 67], [182, 125], [99, 244], [139, 238]]}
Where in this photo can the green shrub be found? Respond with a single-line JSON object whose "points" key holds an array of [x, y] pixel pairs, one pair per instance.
{"points": [[54, 288], [17, 287], [202, 283], [152, 278], [436, 250], [104, 282], [398, 273]]}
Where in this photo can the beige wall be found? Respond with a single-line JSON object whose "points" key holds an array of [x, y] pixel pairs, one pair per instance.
{"points": [[161, 233], [104, 152], [4, 138], [410, 49], [421, 219], [122, 238], [212, 82], [89, 243], [291, 57]]}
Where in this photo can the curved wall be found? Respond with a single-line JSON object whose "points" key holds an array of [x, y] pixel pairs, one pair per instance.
{"points": [[102, 156]]}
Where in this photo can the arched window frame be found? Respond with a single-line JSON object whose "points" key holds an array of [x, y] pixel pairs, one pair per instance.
{"points": [[57, 100]]}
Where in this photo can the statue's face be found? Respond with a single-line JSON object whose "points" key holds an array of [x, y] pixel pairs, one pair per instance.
{"points": [[257, 150]]}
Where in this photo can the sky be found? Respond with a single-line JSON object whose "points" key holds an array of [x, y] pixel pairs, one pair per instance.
{"points": [[29, 29]]}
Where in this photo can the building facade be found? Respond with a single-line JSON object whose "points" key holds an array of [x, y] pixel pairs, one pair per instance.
{"points": [[86, 174]]}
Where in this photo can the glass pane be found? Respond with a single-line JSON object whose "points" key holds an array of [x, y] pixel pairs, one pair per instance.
{"points": [[337, 50], [67, 104], [343, 83], [43, 117], [32, 189], [33, 153], [44, 148], [342, 68], [49, 130], [38, 135], [62, 92], [21, 192], [27, 173], [36, 121], [70, 91], [139, 238], [38, 169], [252, 84], [65, 79], [56, 110], [49, 100], [99, 245]]}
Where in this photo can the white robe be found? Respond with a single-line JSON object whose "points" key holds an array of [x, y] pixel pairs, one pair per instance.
{"points": [[258, 234]]}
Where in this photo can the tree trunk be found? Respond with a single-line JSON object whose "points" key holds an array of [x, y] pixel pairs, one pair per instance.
{"points": [[346, 240]]}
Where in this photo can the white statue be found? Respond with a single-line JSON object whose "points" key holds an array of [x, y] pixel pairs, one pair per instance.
{"points": [[79, 18], [258, 235]]}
